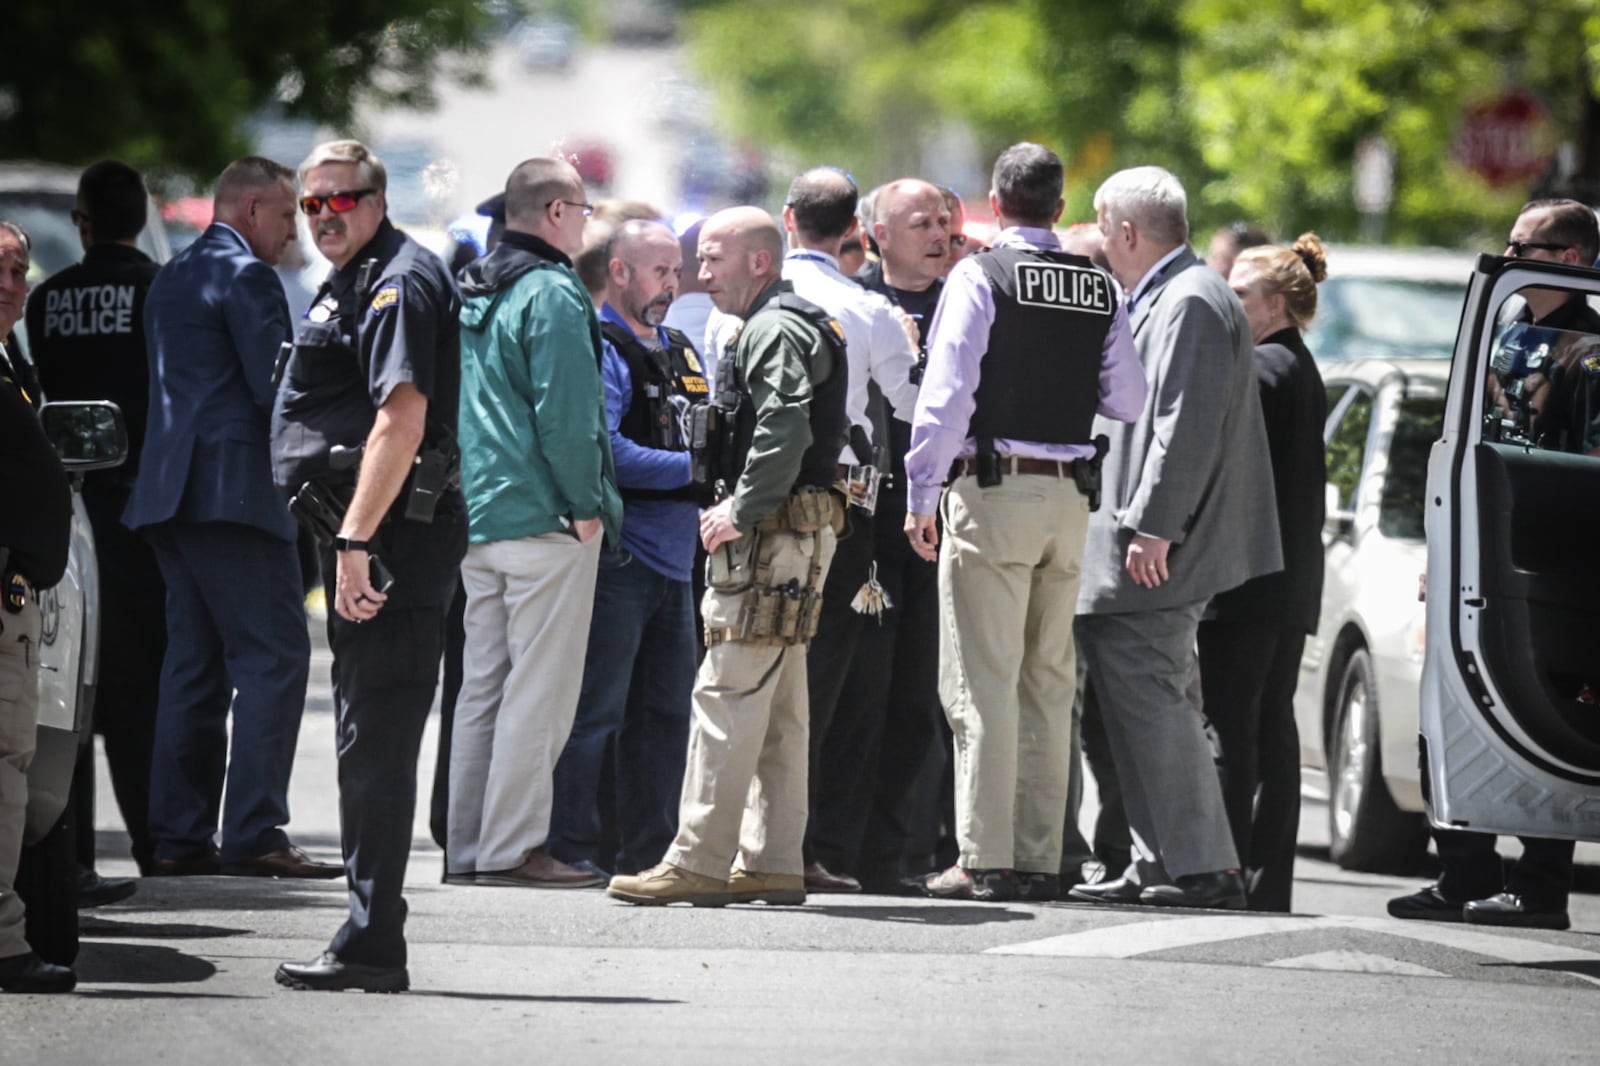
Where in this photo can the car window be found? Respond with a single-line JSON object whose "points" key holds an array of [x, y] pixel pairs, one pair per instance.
{"points": [[1385, 318], [1541, 391], [1347, 447], [1405, 487]]}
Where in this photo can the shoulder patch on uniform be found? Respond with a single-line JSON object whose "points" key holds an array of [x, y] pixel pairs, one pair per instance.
{"points": [[387, 296], [838, 330]]}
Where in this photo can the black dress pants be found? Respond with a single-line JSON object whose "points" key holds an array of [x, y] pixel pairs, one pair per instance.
{"points": [[1248, 672], [385, 671], [829, 656], [1473, 868]]}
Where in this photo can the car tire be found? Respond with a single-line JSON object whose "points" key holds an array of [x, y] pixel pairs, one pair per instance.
{"points": [[47, 883], [1366, 831]]}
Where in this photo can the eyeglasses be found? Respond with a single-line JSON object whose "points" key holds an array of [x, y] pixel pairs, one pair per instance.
{"points": [[587, 209], [79, 218], [1520, 249], [338, 202]]}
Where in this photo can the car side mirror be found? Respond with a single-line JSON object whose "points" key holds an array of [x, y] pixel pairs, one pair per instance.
{"points": [[86, 434], [1338, 522]]}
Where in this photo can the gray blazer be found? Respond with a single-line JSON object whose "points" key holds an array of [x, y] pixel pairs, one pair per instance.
{"points": [[1194, 467]]}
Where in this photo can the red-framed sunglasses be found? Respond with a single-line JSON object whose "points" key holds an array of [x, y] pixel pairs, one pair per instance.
{"points": [[338, 202]]}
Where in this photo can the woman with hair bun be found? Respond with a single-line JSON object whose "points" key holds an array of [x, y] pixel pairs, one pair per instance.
{"points": [[1252, 636]]}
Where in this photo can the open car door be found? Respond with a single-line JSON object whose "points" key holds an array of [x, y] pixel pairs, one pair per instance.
{"points": [[1510, 726]]}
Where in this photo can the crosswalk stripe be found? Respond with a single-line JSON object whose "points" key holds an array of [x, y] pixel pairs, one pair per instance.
{"points": [[1165, 934]]}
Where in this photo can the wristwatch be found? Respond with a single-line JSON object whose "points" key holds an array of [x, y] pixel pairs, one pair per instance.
{"points": [[346, 544]]}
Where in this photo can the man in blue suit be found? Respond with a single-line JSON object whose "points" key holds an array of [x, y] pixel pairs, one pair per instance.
{"points": [[225, 541]]}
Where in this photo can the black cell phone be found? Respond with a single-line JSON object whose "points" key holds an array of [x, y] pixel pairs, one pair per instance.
{"points": [[378, 575]]}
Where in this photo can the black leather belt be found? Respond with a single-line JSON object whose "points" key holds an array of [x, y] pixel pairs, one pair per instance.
{"points": [[1018, 464]]}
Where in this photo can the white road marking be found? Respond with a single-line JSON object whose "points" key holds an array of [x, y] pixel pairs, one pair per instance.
{"points": [[1346, 961], [1166, 934]]}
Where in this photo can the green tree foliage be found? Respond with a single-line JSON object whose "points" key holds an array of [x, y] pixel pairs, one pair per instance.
{"points": [[1257, 104], [168, 84]]}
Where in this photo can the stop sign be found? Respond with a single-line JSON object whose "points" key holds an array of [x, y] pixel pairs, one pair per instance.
{"points": [[1506, 140]]}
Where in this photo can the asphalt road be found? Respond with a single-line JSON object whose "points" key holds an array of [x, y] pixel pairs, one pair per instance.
{"points": [[182, 973]]}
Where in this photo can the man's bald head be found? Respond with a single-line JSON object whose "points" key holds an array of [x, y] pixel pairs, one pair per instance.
{"points": [[540, 194], [911, 224], [643, 268], [741, 253]]}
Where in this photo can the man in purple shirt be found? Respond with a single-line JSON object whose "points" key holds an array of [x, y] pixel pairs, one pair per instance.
{"points": [[1028, 344]]}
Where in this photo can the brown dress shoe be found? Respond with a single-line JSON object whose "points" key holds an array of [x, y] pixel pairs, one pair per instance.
{"points": [[541, 870], [749, 886], [665, 883], [287, 861], [199, 866], [820, 879]]}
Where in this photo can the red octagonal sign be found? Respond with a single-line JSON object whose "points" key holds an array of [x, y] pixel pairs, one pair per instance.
{"points": [[1506, 140]]}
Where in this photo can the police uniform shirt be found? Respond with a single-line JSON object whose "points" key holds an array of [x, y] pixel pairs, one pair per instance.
{"points": [[86, 333], [352, 348], [36, 517]]}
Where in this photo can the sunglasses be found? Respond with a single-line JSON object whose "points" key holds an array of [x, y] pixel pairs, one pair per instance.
{"points": [[587, 209], [1520, 249], [338, 202], [958, 240], [79, 218]]}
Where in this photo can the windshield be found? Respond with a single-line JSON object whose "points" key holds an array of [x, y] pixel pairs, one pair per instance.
{"points": [[1385, 318]]}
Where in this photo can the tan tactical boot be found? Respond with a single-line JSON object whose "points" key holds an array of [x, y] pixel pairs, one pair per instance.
{"points": [[748, 886], [666, 883]]}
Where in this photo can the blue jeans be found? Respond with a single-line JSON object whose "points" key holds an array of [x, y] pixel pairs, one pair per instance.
{"points": [[638, 680]]}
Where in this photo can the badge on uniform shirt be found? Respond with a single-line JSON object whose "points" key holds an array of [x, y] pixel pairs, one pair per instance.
{"points": [[692, 360], [385, 297], [323, 310], [1591, 365]]}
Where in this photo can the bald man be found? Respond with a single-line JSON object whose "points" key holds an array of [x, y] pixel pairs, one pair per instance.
{"points": [[782, 383], [640, 667], [537, 472]]}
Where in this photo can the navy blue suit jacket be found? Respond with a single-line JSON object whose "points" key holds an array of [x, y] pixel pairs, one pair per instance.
{"points": [[214, 319]]}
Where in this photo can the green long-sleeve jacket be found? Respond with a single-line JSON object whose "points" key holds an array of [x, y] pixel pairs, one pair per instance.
{"points": [[535, 452]]}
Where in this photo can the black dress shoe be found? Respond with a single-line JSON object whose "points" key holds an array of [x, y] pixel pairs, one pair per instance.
{"points": [[287, 861], [203, 865], [1120, 890], [29, 973], [97, 891], [1038, 887], [1427, 904], [1222, 890], [326, 973], [1519, 912]]}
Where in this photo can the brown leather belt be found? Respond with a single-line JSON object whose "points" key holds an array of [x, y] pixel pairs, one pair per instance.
{"points": [[1018, 464]]}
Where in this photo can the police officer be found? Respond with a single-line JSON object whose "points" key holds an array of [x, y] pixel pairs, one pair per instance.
{"points": [[35, 531], [86, 332], [771, 541], [1028, 344], [375, 367]]}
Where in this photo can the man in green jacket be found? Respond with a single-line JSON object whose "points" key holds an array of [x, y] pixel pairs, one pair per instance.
{"points": [[782, 383], [537, 473]]}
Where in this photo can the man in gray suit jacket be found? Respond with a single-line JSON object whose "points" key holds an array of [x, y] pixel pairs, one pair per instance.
{"points": [[225, 541], [1188, 513]]}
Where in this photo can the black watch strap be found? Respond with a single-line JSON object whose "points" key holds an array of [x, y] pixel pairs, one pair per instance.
{"points": [[345, 544]]}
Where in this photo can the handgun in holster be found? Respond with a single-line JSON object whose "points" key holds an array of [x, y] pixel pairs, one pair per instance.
{"points": [[988, 460], [322, 512], [1086, 472], [437, 468]]}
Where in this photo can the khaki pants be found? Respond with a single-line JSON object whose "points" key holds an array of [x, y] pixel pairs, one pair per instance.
{"points": [[529, 603], [744, 783], [19, 711], [1008, 591]]}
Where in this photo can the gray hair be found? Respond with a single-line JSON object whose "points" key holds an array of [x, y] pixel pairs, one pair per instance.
{"points": [[1152, 198], [18, 232], [368, 165]]}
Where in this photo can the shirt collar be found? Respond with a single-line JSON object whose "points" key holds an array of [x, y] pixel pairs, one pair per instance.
{"points": [[233, 231], [1027, 237], [1152, 274], [611, 314], [811, 255]]}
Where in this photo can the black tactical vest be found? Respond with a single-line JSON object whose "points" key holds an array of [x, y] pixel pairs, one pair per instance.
{"points": [[830, 423], [1041, 374], [653, 417]]}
